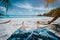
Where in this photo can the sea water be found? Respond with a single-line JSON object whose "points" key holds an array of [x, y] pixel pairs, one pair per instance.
{"points": [[21, 16]]}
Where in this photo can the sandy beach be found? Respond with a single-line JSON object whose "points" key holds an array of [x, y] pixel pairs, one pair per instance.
{"points": [[15, 23]]}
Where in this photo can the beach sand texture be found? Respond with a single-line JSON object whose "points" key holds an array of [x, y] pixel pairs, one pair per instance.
{"points": [[7, 29]]}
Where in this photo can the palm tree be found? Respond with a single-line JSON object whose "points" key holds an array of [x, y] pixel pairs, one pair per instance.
{"points": [[6, 3], [57, 15], [57, 12]]}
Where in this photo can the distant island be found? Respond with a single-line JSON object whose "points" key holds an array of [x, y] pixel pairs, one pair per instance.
{"points": [[51, 13], [39, 15]]}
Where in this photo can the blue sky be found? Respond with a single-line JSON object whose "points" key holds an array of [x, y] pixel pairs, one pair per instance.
{"points": [[29, 7]]}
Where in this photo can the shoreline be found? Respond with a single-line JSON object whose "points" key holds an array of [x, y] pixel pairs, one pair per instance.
{"points": [[32, 19]]}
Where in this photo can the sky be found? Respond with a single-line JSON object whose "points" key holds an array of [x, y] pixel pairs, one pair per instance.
{"points": [[29, 7]]}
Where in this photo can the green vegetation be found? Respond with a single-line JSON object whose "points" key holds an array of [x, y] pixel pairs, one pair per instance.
{"points": [[53, 12]]}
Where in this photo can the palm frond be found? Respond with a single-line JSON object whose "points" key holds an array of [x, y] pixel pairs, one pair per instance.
{"points": [[6, 3], [1, 14]]}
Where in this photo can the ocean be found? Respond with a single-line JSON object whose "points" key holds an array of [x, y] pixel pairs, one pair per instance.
{"points": [[21, 16]]}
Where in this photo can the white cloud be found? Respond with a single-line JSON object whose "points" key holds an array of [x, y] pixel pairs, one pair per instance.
{"points": [[2, 9], [31, 9], [42, 8], [28, 6]]}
